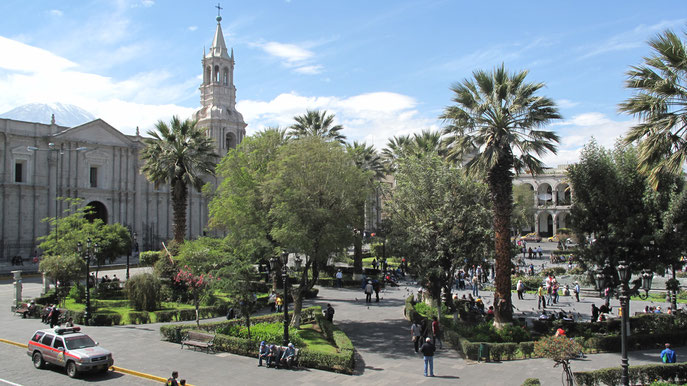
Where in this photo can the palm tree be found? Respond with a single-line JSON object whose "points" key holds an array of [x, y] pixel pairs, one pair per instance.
{"points": [[495, 127], [660, 102], [395, 149], [366, 159], [316, 124], [418, 145], [179, 154]]}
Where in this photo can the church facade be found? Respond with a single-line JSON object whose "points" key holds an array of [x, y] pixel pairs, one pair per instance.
{"points": [[41, 163]]}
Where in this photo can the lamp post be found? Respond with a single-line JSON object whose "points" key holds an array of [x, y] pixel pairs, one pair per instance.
{"points": [[134, 248], [284, 278], [86, 255], [624, 274]]}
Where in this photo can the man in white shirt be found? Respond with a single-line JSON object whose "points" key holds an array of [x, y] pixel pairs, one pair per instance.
{"points": [[339, 278]]}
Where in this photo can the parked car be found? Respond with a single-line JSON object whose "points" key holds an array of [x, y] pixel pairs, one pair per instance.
{"points": [[69, 348], [531, 237], [553, 239]]}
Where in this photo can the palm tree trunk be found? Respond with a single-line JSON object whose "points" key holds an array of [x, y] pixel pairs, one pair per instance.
{"points": [[179, 195], [500, 181]]}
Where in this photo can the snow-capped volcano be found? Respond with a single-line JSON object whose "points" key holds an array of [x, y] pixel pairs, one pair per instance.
{"points": [[65, 115]]}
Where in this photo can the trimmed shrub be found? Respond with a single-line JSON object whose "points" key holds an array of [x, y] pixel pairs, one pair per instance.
{"points": [[527, 348], [165, 316], [78, 293], [105, 319], [139, 317], [269, 332], [555, 271], [143, 292], [531, 382], [149, 258]]}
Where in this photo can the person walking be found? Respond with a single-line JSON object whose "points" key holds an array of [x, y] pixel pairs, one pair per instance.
{"points": [[172, 381], [475, 286], [368, 292], [436, 332], [427, 350], [339, 278], [329, 313], [541, 302], [668, 355], [521, 288], [415, 334], [577, 291]]}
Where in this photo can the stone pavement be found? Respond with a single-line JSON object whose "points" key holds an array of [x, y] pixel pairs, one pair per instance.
{"points": [[380, 334]]}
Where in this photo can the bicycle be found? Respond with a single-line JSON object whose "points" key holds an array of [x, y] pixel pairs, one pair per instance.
{"points": [[567, 378]]}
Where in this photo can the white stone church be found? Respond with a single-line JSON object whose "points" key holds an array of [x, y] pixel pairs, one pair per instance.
{"points": [[101, 165]]}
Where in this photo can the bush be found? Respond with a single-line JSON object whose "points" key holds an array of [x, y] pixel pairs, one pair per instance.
{"points": [[514, 333], [77, 292], [527, 348], [643, 374], [165, 316], [149, 258], [577, 271], [143, 292], [531, 382], [136, 317], [531, 283], [557, 348], [555, 271], [105, 319]]}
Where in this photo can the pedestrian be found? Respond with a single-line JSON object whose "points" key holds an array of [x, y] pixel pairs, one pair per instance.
{"points": [[368, 292], [521, 288], [279, 302], [541, 302], [263, 352], [427, 350], [595, 313], [172, 381], [272, 301], [524, 252], [530, 252], [541, 252], [475, 286], [668, 355], [55, 317], [339, 278], [415, 334], [436, 332], [182, 382], [531, 269], [577, 291], [329, 313]]}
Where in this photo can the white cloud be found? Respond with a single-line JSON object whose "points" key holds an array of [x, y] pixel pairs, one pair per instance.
{"points": [[36, 75], [193, 28], [566, 103], [372, 117], [310, 70], [579, 130], [147, 3], [56, 12], [293, 56]]}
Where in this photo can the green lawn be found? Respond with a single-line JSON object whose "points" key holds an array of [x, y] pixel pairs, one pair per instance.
{"points": [[314, 339], [120, 307]]}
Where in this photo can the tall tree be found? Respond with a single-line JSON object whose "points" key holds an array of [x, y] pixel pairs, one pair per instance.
{"points": [[495, 126], [442, 220], [660, 102], [523, 208], [179, 154], [315, 190], [367, 159], [315, 123], [395, 148]]}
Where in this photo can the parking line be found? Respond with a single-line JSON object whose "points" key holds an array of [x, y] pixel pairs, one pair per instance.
{"points": [[115, 368], [8, 382]]}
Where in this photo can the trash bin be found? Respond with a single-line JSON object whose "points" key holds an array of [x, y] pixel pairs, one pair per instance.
{"points": [[483, 352]]}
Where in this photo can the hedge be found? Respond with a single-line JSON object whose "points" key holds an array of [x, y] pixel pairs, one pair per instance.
{"points": [[531, 382], [643, 374], [343, 361]]}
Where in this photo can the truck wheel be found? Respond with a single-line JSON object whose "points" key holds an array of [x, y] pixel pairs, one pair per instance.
{"points": [[38, 361], [71, 369]]}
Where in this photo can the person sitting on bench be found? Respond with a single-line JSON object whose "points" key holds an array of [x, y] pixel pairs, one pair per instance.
{"points": [[288, 356]]}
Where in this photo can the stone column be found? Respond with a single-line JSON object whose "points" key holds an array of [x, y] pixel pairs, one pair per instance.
{"points": [[46, 284]]}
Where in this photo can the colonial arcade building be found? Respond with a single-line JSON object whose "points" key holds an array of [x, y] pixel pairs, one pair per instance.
{"points": [[100, 165], [552, 199]]}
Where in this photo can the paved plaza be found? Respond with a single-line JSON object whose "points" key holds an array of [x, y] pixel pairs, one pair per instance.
{"points": [[385, 355]]}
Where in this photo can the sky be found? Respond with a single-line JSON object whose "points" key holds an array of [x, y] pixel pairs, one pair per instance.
{"points": [[384, 68]]}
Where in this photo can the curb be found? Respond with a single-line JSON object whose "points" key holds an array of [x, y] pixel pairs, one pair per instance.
{"points": [[114, 368]]}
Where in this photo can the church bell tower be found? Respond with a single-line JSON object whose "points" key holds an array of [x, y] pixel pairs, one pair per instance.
{"points": [[218, 115]]}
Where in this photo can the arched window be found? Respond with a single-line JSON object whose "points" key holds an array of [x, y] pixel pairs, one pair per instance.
{"points": [[216, 78], [225, 76], [230, 142], [208, 76]]}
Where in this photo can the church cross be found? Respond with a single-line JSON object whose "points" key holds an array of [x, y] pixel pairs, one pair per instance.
{"points": [[218, 8]]}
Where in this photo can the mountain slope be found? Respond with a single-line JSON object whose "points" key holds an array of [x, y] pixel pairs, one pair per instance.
{"points": [[65, 115]]}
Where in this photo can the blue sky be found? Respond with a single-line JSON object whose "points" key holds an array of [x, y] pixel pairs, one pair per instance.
{"points": [[383, 67]]}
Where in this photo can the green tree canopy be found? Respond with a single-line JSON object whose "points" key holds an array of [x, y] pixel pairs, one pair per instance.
{"points": [[315, 189], [315, 123]]}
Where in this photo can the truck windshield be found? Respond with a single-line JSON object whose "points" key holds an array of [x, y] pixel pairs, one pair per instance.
{"points": [[77, 342]]}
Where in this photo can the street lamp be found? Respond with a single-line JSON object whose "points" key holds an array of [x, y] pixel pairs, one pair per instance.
{"points": [[134, 248], [285, 278], [87, 254], [624, 274]]}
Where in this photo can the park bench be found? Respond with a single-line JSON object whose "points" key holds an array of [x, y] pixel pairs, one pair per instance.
{"points": [[200, 340], [24, 311], [281, 352]]}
